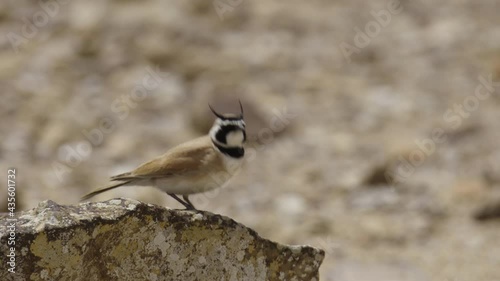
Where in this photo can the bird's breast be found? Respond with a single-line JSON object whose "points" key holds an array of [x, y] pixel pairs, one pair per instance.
{"points": [[232, 165]]}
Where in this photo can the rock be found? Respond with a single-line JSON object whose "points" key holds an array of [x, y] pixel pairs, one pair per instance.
{"points": [[489, 211], [468, 190], [378, 176], [123, 239]]}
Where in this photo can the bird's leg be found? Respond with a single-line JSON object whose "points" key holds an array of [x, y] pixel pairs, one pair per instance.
{"points": [[187, 205], [186, 198]]}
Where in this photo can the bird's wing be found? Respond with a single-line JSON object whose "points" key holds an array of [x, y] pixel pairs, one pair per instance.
{"points": [[178, 161]]}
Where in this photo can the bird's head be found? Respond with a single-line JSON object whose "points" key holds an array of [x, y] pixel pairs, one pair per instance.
{"points": [[229, 129]]}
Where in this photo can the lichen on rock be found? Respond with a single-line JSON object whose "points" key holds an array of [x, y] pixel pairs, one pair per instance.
{"points": [[122, 239]]}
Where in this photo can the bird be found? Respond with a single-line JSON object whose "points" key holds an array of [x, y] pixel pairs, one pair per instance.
{"points": [[195, 166]]}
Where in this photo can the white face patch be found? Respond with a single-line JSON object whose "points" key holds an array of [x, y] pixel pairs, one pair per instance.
{"points": [[228, 133], [235, 138]]}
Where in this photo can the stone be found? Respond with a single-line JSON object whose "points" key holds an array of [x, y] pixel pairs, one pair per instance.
{"points": [[123, 239], [489, 211]]}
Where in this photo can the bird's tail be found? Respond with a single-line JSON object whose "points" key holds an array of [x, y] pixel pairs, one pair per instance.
{"points": [[103, 189]]}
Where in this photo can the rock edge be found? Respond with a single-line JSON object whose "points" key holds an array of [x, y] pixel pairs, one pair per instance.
{"points": [[123, 239]]}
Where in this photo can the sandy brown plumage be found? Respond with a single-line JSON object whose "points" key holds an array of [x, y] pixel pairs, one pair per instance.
{"points": [[197, 159], [195, 166], [196, 156]]}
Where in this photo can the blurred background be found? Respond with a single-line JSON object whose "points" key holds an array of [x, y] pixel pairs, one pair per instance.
{"points": [[374, 124]]}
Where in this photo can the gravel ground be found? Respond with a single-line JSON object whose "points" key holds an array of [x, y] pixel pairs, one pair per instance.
{"points": [[374, 124]]}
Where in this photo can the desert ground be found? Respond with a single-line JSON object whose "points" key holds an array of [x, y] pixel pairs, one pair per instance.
{"points": [[373, 125]]}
